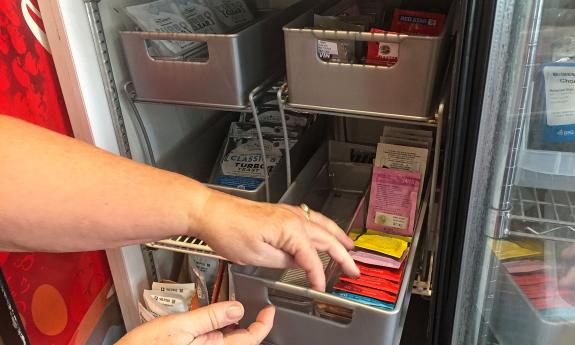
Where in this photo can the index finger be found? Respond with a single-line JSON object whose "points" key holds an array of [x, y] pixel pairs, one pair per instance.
{"points": [[332, 228]]}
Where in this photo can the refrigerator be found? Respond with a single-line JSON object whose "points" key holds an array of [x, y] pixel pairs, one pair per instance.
{"points": [[490, 259]]}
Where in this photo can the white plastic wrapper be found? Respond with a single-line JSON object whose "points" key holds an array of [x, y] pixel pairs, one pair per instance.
{"points": [[162, 16], [208, 268], [233, 14], [164, 303], [187, 291], [201, 18], [145, 314]]}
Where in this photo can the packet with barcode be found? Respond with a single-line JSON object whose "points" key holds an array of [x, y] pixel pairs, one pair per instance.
{"points": [[164, 303], [393, 201], [233, 14], [161, 16], [187, 290]]}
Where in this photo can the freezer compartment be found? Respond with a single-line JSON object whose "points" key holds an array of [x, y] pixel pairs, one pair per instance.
{"points": [[308, 142], [237, 63], [404, 90], [308, 317], [515, 320]]}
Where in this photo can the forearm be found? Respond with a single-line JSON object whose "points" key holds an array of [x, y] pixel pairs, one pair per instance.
{"points": [[58, 194]]}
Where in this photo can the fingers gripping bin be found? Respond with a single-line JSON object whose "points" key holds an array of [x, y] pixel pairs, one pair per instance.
{"points": [[404, 90], [237, 63], [301, 317]]}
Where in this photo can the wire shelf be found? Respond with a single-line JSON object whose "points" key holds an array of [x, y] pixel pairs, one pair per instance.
{"points": [[186, 245], [543, 213]]}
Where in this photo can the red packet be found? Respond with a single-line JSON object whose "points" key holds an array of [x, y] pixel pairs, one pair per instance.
{"points": [[536, 291], [374, 283], [418, 23], [393, 275], [382, 53], [364, 291], [393, 201], [531, 279], [549, 302], [524, 266]]}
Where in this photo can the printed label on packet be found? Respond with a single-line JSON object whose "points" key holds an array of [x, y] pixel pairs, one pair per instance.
{"points": [[232, 13], [246, 159], [326, 49], [417, 23], [559, 102], [382, 53], [393, 193], [184, 290]]}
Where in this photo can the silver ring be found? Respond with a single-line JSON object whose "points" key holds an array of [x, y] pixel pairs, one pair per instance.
{"points": [[307, 211]]}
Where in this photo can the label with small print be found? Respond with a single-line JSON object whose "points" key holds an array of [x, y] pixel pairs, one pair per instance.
{"points": [[326, 49], [392, 220], [559, 94]]}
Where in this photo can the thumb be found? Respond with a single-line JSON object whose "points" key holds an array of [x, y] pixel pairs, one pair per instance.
{"points": [[214, 317]]}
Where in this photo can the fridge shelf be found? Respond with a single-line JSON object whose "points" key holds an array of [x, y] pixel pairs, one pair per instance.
{"points": [[514, 317], [365, 90], [542, 213], [185, 245]]}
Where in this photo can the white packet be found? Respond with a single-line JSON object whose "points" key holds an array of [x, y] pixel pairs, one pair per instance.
{"points": [[201, 18], [197, 276], [145, 314], [208, 268], [162, 16], [164, 303], [187, 291], [231, 13]]}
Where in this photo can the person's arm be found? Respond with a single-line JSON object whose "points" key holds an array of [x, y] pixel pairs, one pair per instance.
{"points": [[58, 194]]}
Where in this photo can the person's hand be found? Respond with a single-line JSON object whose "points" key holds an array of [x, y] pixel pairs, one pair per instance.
{"points": [[273, 235], [204, 326]]}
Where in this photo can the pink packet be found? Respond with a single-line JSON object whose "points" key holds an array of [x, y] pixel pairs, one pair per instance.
{"points": [[524, 266], [393, 201], [377, 259]]}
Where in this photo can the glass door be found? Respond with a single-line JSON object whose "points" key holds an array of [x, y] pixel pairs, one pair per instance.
{"points": [[517, 281]]}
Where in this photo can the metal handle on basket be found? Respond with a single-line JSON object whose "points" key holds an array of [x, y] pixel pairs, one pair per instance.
{"points": [[309, 293], [363, 36]]}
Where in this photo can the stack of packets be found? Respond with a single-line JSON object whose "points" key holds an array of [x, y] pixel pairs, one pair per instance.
{"points": [[536, 279], [370, 16], [168, 297], [399, 165], [380, 258], [188, 16], [242, 166]]}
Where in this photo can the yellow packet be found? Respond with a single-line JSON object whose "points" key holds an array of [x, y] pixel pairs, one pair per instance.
{"points": [[386, 245], [354, 233], [518, 248], [374, 232]]}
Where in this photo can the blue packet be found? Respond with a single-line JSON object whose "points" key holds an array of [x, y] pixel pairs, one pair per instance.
{"points": [[239, 182], [372, 302], [558, 314], [558, 93]]}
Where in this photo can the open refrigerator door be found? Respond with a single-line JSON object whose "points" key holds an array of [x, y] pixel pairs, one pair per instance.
{"points": [[332, 104]]}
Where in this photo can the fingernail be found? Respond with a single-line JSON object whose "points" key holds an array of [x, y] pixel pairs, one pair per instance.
{"points": [[234, 312]]}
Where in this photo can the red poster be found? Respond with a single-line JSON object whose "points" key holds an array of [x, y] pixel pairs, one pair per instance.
{"points": [[59, 296]]}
